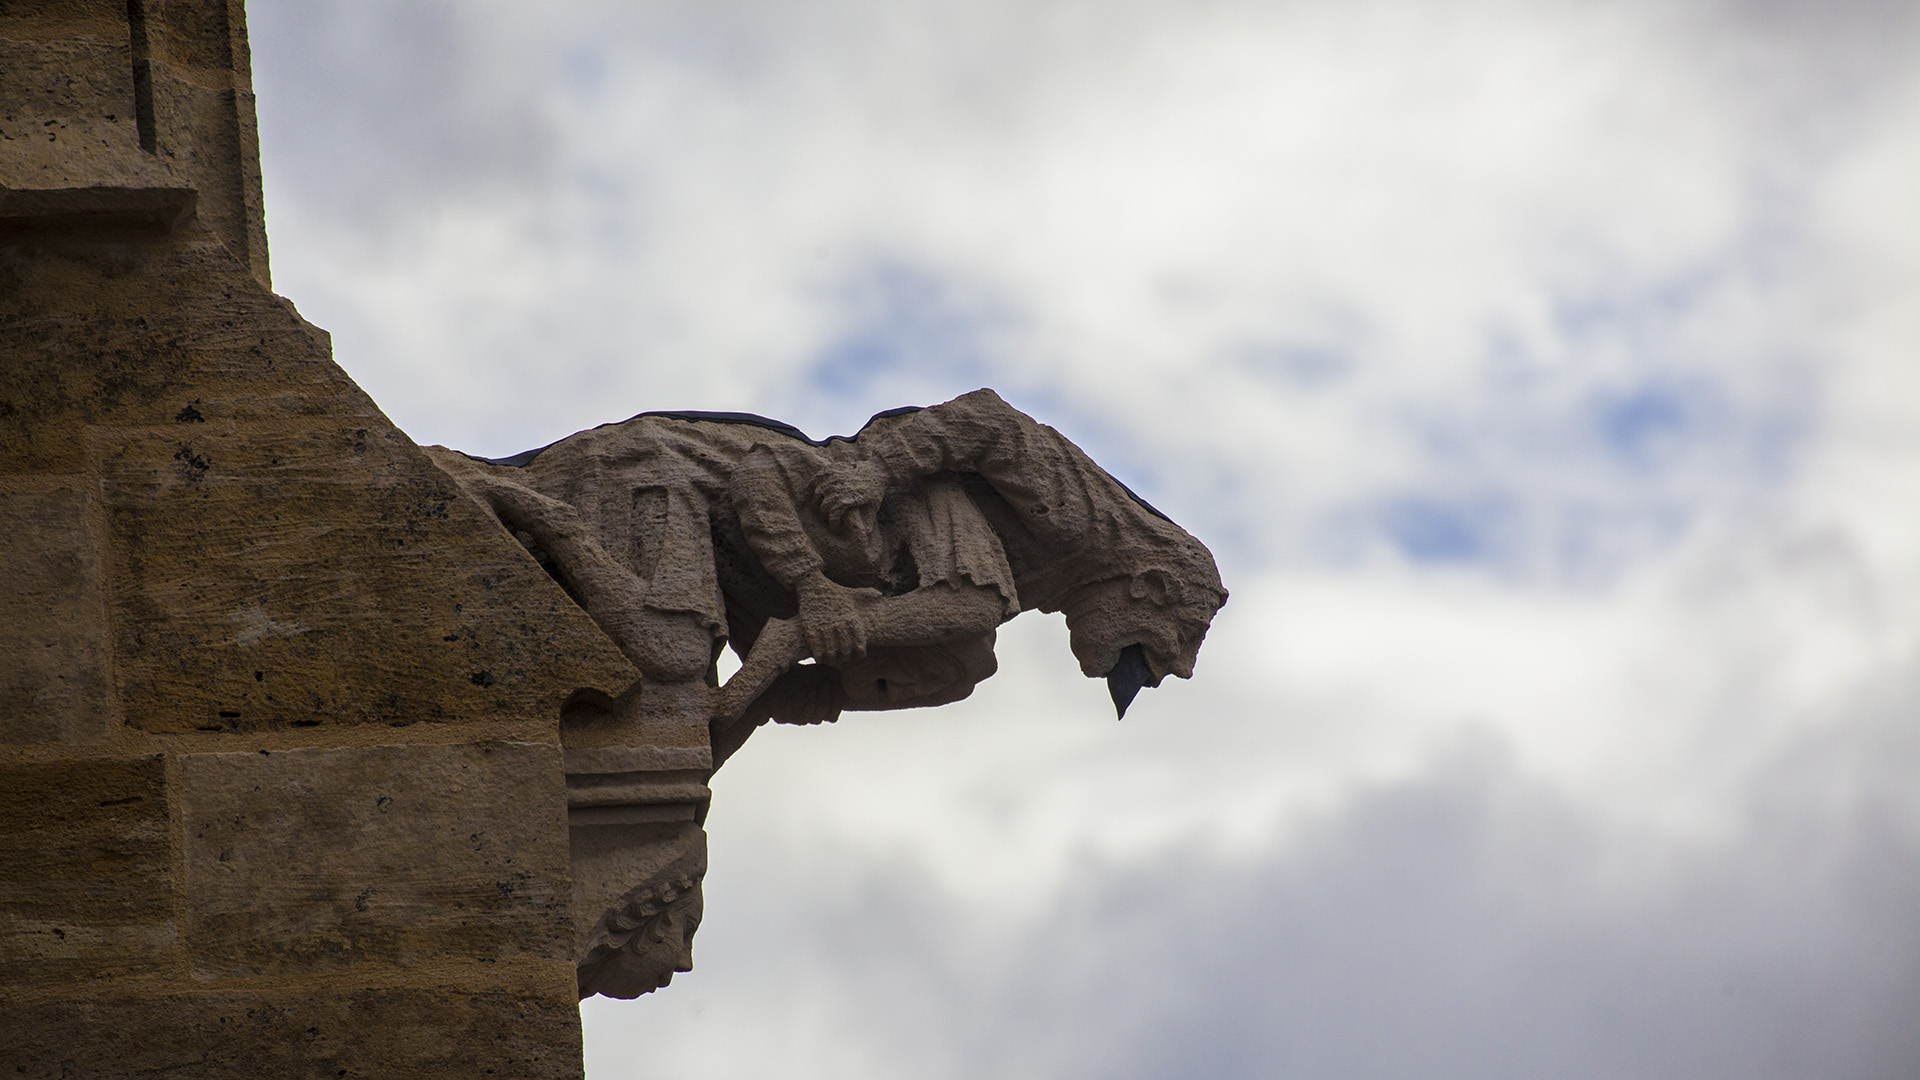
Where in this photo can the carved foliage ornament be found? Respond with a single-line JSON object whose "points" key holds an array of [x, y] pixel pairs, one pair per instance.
{"points": [[646, 937]]}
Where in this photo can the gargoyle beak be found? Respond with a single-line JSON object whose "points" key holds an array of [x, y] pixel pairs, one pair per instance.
{"points": [[1127, 677]]}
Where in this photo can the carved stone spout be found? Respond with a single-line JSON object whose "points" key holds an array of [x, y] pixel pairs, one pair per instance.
{"points": [[865, 573]]}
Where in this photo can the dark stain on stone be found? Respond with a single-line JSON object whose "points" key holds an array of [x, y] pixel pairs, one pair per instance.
{"points": [[189, 415], [193, 467], [482, 678]]}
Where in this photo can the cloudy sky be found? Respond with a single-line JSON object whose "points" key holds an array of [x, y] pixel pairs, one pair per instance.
{"points": [[1542, 374]]}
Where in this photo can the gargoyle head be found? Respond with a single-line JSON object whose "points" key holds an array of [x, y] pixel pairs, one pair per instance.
{"points": [[1136, 630]]}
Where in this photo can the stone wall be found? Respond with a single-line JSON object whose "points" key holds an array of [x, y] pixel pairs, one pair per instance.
{"points": [[281, 784]]}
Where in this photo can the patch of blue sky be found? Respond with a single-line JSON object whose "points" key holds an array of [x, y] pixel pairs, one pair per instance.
{"points": [[1518, 535], [1640, 317], [1680, 406], [1574, 483], [908, 332], [914, 337], [1429, 529], [584, 71], [1576, 489], [1657, 423], [1598, 445]]}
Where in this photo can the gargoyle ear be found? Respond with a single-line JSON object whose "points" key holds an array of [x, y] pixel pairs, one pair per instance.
{"points": [[1127, 677]]}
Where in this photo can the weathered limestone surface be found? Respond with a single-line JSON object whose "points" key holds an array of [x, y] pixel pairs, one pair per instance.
{"points": [[320, 860], [68, 108], [423, 1032], [277, 552], [57, 680], [87, 891], [118, 114]]}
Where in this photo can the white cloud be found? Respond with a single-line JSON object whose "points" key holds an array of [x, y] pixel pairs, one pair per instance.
{"points": [[1540, 373]]}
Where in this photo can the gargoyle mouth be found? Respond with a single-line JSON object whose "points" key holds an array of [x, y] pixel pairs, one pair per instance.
{"points": [[1129, 674]]}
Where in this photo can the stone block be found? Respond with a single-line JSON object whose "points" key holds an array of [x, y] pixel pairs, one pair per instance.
{"points": [[247, 598], [66, 79], [427, 1033], [316, 860], [86, 886], [242, 472], [54, 682]]}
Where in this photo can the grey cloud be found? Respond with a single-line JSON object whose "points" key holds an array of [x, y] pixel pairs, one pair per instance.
{"points": [[1464, 927], [1465, 923], [375, 111], [1815, 59]]}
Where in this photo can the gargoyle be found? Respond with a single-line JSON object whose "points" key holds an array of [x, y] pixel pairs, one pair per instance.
{"points": [[860, 573]]}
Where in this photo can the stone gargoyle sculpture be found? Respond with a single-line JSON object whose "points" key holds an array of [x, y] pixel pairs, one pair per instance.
{"points": [[862, 573]]}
